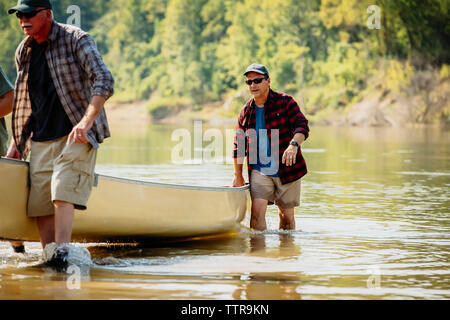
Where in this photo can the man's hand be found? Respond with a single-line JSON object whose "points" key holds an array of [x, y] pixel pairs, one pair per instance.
{"points": [[79, 133], [13, 153], [290, 156], [238, 181]]}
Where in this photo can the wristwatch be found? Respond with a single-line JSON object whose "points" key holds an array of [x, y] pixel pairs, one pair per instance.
{"points": [[294, 143]]}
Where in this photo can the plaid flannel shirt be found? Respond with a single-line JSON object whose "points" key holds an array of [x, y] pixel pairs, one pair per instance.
{"points": [[78, 73], [282, 113]]}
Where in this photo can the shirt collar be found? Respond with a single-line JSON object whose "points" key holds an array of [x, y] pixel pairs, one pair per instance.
{"points": [[53, 32], [267, 103], [270, 96]]}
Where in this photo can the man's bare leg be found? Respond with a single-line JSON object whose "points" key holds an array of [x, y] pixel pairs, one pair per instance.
{"points": [[46, 227], [257, 242], [258, 219], [287, 219], [64, 212]]}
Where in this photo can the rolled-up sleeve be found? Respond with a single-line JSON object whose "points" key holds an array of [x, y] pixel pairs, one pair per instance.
{"points": [[92, 63], [298, 121], [239, 146]]}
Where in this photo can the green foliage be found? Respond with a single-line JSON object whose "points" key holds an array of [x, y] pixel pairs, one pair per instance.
{"points": [[179, 52], [10, 36], [444, 72], [397, 75], [161, 107]]}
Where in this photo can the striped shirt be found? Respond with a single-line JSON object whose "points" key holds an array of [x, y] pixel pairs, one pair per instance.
{"points": [[283, 120], [78, 73]]}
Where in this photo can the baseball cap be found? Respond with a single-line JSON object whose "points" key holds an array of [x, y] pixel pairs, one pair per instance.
{"points": [[29, 5], [258, 68]]}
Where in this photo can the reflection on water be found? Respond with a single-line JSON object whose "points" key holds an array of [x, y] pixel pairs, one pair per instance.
{"points": [[375, 210]]}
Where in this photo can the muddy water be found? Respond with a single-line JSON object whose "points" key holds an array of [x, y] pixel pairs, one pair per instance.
{"points": [[374, 224]]}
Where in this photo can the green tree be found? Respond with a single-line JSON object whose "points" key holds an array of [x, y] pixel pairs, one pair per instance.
{"points": [[10, 37], [181, 42]]}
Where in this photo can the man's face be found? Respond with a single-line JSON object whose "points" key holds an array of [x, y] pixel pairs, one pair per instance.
{"points": [[32, 26], [258, 89]]}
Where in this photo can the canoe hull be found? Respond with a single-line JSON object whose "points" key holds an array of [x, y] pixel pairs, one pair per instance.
{"points": [[121, 209]]}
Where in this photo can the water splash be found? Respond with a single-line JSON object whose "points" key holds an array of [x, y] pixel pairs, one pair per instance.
{"points": [[78, 256]]}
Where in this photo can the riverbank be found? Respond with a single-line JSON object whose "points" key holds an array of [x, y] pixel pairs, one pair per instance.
{"points": [[419, 105], [388, 99], [136, 112]]}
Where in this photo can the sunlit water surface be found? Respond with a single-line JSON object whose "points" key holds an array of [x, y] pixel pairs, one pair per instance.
{"points": [[374, 224]]}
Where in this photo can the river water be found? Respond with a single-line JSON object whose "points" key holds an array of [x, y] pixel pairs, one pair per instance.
{"points": [[374, 223]]}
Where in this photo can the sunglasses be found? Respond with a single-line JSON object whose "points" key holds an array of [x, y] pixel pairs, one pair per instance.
{"points": [[256, 81], [28, 15]]}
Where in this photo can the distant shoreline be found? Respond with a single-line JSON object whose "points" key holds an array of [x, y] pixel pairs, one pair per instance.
{"points": [[363, 115]]}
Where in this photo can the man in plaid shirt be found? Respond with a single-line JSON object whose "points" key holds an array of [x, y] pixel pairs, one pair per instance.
{"points": [[58, 115], [269, 133]]}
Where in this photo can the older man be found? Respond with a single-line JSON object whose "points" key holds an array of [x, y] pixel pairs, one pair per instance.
{"points": [[58, 115], [270, 130]]}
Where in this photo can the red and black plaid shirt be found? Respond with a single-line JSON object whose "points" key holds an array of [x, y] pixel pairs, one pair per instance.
{"points": [[282, 113]]}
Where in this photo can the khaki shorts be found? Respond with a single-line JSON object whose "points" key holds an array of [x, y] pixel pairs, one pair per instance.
{"points": [[269, 188], [60, 172]]}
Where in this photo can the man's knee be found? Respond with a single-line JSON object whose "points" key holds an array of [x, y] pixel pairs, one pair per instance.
{"points": [[62, 204], [259, 206], [286, 214]]}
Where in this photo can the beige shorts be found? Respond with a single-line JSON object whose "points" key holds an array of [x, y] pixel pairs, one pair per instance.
{"points": [[60, 172], [269, 188]]}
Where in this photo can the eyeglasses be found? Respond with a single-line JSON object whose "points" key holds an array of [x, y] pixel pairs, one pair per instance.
{"points": [[257, 81], [28, 15]]}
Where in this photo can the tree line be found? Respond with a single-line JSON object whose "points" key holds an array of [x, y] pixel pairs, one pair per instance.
{"points": [[194, 51]]}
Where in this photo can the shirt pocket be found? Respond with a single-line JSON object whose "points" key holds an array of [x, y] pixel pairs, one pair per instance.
{"points": [[278, 120]]}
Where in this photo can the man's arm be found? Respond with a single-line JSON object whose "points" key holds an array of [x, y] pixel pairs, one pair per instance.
{"points": [[79, 132], [239, 152], [102, 87], [298, 121], [290, 155], [13, 153], [6, 103], [300, 130], [92, 63], [238, 180]]}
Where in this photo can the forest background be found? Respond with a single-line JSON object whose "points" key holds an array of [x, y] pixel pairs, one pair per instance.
{"points": [[345, 61]]}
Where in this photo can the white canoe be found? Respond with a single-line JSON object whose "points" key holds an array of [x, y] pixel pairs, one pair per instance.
{"points": [[122, 209]]}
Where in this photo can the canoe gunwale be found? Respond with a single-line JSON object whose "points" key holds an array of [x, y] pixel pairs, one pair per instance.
{"points": [[147, 183]]}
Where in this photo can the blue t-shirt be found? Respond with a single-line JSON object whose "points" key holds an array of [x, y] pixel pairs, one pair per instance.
{"points": [[266, 161]]}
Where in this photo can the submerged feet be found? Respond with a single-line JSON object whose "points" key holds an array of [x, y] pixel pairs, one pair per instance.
{"points": [[59, 259], [19, 248], [65, 254]]}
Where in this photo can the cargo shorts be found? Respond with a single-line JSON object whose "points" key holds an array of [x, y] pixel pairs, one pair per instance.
{"points": [[286, 196], [60, 172]]}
